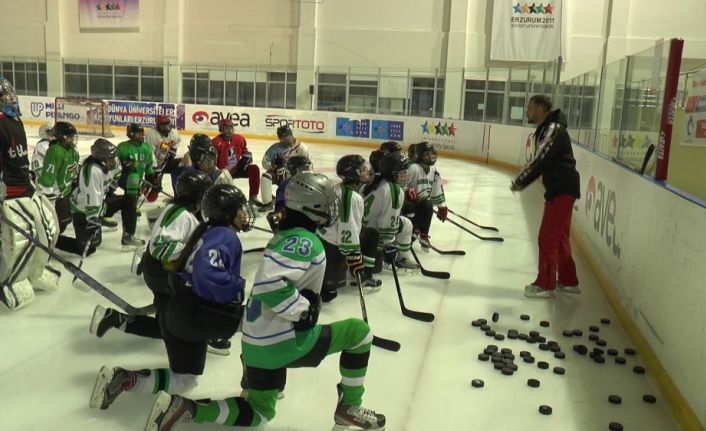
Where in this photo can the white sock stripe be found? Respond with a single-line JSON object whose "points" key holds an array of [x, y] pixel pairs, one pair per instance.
{"points": [[349, 381], [367, 340], [223, 412]]}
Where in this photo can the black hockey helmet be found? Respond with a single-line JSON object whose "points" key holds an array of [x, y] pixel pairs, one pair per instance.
{"points": [[296, 164], [391, 147], [62, 130], [393, 166], [191, 186], [132, 129], [411, 152], [103, 150], [422, 150], [375, 158], [221, 203], [201, 148], [349, 168], [283, 131]]}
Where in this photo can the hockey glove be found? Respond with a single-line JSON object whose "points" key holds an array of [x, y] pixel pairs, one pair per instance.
{"points": [[389, 252], [412, 195], [309, 318], [273, 220], [442, 213], [355, 263]]}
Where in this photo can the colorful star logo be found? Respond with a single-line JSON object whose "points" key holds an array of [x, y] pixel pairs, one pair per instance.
{"points": [[539, 9], [548, 8], [452, 130], [425, 128], [437, 129], [517, 8]]}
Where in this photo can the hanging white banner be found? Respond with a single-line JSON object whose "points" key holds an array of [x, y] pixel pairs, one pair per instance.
{"points": [[109, 15], [527, 32]]}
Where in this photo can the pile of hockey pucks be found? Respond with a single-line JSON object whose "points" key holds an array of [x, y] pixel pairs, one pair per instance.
{"points": [[503, 359]]}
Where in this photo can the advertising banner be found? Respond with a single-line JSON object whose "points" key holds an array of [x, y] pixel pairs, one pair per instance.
{"points": [[693, 129], [102, 15]]}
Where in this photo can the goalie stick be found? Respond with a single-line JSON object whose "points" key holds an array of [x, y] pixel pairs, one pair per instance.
{"points": [[73, 269], [417, 315], [380, 342]]}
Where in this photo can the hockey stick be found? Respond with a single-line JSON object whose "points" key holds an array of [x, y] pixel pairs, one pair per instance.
{"points": [[448, 252], [80, 286], [484, 238], [417, 315], [255, 250], [262, 229], [73, 269], [152, 186], [473, 223], [425, 272], [382, 343]]}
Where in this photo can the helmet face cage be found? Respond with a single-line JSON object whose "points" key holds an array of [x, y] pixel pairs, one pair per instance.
{"points": [[164, 124], [64, 131], [8, 98], [225, 127], [402, 177], [298, 164], [249, 218], [135, 132]]}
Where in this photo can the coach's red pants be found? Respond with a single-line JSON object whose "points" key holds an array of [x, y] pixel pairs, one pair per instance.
{"points": [[555, 261]]}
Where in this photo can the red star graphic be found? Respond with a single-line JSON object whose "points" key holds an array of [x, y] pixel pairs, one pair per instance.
{"points": [[452, 130], [548, 8]]}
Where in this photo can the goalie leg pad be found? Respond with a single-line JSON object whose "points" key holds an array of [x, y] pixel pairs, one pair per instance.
{"points": [[17, 295], [49, 280]]}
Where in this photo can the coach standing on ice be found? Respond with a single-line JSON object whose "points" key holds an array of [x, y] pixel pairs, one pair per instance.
{"points": [[554, 161]]}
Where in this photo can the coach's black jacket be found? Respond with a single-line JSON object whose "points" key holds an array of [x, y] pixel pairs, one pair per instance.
{"points": [[554, 159]]}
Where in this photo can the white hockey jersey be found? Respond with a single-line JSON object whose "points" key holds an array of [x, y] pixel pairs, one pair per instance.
{"points": [[89, 195], [345, 232], [284, 152], [161, 144], [170, 233], [40, 150], [427, 184], [382, 210]]}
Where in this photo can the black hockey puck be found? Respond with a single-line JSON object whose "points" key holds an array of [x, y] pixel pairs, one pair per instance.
{"points": [[620, 360], [528, 359], [541, 339], [496, 359], [615, 426], [612, 352], [512, 336], [484, 327], [534, 334], [507, 371], [544, 324], [523, 336], [560, 355], [649, 399], [524, 317], [488, 351], [507, 361], [483, 321], [509, 356], [630, 351], [545, 410], [559, 370], [544, 347], [477, 383], [505, 350], [475, 323], [513, 331], [580, 349], [568, 333], [605, 321], [615, 399], [554, 348], [601, 342], [594, 328], [552, 343], [531, 340], [490, 333], [599, 359], [525, 353], [499, 337], [598, 351], [533, 383], [543, 365], [593, 337], [499, 365], [495, 317], [492, 347], [638, 369], [578, 332], [513, 367], [483, 357]]}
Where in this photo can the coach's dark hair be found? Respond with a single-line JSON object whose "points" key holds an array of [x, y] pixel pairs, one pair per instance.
{"points": [[544, 101]]}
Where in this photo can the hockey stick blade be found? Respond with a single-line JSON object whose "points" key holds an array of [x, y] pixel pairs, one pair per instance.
{"points": [[416, 315], [474, 223], [382, 343], [448, 252], [74, 270], [483, 238], [255, 250], [433, 274]]}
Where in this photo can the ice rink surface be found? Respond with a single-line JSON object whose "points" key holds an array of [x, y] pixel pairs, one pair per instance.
{"points": [[49, 360]]}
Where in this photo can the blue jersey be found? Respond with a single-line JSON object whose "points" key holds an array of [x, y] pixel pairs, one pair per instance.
{"points": [[279, 196], [213, 268], [182, 170]]}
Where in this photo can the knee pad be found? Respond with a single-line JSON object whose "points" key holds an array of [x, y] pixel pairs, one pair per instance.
{"points": [[48, 280], [17, 295]]}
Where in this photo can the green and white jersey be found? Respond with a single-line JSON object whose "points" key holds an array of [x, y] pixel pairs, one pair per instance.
{"points": [[59, 169], [382, 210], [89, 195], [427, 184], [345, 232], [40, 150], [294, 260], [170, 233]]}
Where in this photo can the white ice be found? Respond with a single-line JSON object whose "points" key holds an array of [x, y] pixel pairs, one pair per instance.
{"points": [[49, 360]]}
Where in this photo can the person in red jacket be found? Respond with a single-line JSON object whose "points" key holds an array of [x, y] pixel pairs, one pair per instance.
{"points": [[233, 155]]}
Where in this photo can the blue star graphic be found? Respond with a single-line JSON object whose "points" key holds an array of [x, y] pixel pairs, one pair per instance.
{"points": [[425, 128], [517, 8]]}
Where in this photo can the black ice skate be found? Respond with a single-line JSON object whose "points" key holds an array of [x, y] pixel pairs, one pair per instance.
{"points": [[130, 243], [103, 320], [219, 347], [169, 411], [370, 283], [350, 418], [110, 383]]}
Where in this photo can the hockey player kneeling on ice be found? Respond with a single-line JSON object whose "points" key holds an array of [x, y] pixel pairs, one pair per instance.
{"points": [[88, 199], [275, 163], [345, 242], [424, 192], [22, 265], [170, 234], [59, 170], [280, 328], [203, 156], [233, 155], [295, 164], [206, 303], [383, 202], [46, 134], [135, 156]]}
